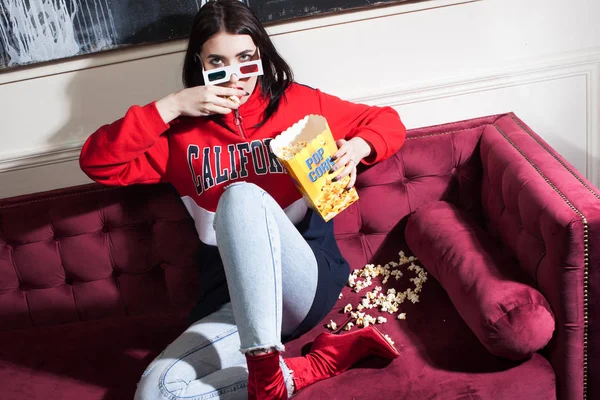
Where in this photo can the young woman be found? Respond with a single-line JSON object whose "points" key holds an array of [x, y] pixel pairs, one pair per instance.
{"points": [[270, 268]]}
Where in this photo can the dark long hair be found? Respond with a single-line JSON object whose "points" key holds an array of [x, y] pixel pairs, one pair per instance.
{"points": [[234, 17]]}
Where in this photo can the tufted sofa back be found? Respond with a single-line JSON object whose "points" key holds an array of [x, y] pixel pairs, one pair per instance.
{"points": [[93, 252], [435, 163]]}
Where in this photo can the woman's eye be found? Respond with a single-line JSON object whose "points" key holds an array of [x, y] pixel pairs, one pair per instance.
{"points": [[215, 61], [245, 57]]}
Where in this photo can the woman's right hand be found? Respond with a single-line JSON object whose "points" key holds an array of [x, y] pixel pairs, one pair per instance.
{"points": [[199, 101]]}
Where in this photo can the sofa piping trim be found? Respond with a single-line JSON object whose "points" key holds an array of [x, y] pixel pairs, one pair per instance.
{"points": [[561, 162], [585, 253], [454, 123], [64, 196], [443, 133]]}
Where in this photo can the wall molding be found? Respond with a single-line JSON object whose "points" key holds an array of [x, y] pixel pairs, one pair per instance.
{"points": [[584, 63], [140, 52], [40, 157]]}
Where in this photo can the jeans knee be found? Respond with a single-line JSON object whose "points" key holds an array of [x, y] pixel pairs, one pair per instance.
{"points": [[242, 187], [239, 195]]}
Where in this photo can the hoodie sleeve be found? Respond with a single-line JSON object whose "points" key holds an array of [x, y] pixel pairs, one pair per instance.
{"points": [[381, 127], [131, 150]]}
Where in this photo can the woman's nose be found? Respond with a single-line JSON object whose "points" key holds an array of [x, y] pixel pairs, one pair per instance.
{"points": [[233, 78]]}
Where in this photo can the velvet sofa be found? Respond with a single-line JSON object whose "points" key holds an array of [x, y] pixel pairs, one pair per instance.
{"points": [[95, 281]]}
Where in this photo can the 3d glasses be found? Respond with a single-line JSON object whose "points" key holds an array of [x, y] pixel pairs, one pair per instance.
{"points": [[223, 74]]}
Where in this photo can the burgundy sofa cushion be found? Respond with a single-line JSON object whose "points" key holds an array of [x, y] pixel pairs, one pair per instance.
{"points": [[494, 297]]}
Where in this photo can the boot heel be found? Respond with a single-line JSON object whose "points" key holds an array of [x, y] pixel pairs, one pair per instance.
{"points": [[372, 336], [394, 353], [330, 355]]}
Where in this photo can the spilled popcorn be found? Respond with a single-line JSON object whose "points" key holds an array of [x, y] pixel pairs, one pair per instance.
{"points": [[384, 301]]}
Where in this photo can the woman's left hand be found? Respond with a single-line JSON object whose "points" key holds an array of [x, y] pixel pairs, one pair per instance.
{"points": [[350, 153]]}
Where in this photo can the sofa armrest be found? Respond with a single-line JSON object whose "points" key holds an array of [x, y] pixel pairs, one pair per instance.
{"points": [[548, 215]]}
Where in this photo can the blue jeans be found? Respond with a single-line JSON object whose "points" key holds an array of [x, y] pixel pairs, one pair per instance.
{"points": [[272, 279]]}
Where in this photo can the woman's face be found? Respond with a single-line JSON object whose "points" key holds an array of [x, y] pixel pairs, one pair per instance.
{"points": [[224, 49]]}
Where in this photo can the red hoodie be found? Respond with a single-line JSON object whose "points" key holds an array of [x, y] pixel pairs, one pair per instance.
{"points": [[202, 156]]}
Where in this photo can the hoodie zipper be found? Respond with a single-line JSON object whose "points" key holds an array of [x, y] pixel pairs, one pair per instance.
{"points": [[238, 120]]}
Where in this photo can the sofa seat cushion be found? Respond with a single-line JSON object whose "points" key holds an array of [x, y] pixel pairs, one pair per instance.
{"points": [[440, 358], [100, 359]]}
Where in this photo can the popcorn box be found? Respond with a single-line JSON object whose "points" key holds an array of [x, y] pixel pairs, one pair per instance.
{"points": [[306, 150]]}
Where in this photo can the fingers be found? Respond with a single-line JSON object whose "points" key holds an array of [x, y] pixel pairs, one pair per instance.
{"points": [[341, 162], [345, 171], [212, 108], [224, 103], [352, 178], [345, 157], [341, 148], [226, 91], [210, 101], [219, 97]]}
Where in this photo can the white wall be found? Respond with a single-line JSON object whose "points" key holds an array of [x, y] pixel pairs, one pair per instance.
{"points": [[438, 61]]}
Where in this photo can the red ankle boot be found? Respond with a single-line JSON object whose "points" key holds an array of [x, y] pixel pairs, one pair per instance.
{"points": [[331, 355], [265, 379]]}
